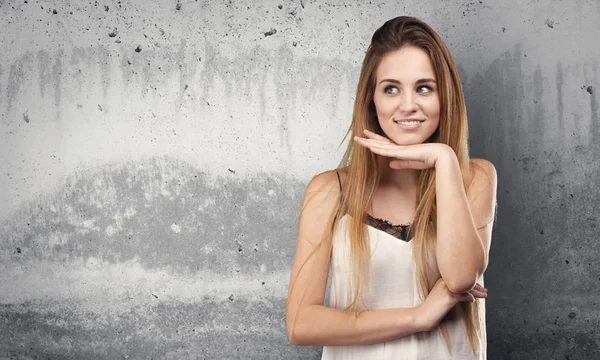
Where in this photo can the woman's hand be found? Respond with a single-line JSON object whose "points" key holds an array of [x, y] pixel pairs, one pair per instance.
{"points": [[441, 300], [417, 156]]}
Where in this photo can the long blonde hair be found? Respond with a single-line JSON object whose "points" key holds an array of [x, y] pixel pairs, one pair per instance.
{"points": [[363, 174]]}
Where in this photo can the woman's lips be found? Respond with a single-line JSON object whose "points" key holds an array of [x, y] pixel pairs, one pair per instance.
{"points": [[409, 124]]}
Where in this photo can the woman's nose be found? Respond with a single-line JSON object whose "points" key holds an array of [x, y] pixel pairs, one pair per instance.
{"points": [[407, 103]]}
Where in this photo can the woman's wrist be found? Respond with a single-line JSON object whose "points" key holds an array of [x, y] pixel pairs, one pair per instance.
{"points": [[418, 319], [446, 157]]}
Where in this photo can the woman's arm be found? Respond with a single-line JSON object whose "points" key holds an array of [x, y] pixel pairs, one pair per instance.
{"points": [[464, 221], [308, 322], [323, 326]]}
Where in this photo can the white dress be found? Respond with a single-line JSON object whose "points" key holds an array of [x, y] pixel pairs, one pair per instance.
{"points": [[392, 284]]}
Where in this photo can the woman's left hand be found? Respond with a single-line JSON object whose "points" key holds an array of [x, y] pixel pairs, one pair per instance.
{"points": [[417, 156]]}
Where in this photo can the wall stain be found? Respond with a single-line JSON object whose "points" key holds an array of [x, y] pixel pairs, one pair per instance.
{"points": [[57, 73], [121, 212], [16, 77], [297, 80], [103, 58], [163, 330], [105, 227], [539, 111], [44, 76], [187, 72], [560, 99], [595, 108]]}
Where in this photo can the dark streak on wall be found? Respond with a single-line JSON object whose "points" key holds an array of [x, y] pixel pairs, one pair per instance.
{"points": [[543, 266]]}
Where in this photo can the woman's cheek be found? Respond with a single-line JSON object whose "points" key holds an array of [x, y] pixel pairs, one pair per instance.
{"points": [[387, 109]]}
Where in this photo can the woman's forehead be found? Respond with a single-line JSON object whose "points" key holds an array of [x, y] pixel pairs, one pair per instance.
{"points": [[407, 64]]}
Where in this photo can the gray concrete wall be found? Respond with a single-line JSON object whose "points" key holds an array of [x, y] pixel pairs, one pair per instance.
{"points": [[154, 155]]}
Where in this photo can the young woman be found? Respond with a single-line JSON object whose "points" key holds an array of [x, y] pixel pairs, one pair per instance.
{"points": [[411, 290]]}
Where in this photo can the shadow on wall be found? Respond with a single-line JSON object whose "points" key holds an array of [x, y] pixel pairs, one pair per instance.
{"points": [[543, 269], [151, 259]]}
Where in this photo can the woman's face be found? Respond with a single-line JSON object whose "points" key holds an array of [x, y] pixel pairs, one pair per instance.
{"points": [[406, 96]]}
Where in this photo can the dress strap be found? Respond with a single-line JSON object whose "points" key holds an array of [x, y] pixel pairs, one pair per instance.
{"points": [[339, 181], [335, 219]]}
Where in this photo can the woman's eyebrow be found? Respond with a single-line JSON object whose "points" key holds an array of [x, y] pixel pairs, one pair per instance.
{"points": [[420, 81], [428, 80]]}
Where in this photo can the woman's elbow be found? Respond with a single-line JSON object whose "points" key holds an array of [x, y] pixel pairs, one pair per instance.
{"points": [[460, 285], [294, 336], [466, 279], [291, 334], [291, 328]]}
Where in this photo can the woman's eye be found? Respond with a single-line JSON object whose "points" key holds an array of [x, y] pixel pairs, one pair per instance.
{"points": [[390, 89], [424, 89]]}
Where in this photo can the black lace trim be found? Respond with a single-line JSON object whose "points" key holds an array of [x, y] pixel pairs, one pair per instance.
{"points": [[400, 231]]}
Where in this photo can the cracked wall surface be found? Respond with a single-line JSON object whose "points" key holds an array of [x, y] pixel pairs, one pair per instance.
{"points": [[154, 157]]}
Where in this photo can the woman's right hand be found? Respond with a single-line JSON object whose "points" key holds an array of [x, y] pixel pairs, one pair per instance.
{"points": [[441, 300]]}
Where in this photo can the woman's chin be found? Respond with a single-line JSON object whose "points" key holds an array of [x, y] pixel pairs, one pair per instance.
{"points": [[404, 141], [411, 139]]}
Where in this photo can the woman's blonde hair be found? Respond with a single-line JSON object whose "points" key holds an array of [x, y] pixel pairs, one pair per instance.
{"points": [[363, 172]]}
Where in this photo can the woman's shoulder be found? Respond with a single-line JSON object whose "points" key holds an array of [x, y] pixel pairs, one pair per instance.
{"points": [[483, 175], [329, 181], [483, 168], [323, 190]]}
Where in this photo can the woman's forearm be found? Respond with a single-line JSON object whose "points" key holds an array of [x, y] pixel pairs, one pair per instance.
{"points": [[460, 252], [323, 326]]}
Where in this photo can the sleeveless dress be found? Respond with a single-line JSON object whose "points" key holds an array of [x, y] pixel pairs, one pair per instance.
{"points": [[392, 284]]}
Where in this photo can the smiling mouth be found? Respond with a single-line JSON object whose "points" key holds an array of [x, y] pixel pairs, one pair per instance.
{"points": [[409, 121]]}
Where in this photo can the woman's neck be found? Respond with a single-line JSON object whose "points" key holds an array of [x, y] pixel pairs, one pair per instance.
{"points": [[404, 180]]}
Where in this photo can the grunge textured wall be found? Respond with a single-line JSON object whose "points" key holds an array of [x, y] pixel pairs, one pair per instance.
{"points": [[154, 156]]}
